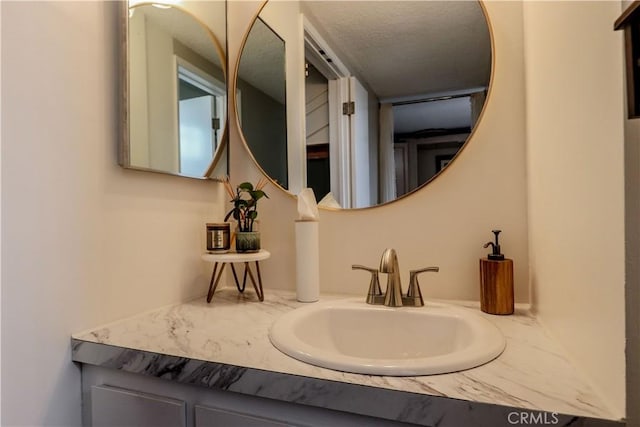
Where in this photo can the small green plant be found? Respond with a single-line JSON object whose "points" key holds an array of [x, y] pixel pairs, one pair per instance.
{"points": [[245, 202]]}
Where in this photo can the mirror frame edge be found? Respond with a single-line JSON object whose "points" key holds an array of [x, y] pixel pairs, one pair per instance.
{"points": [[124, 145], [234, 86], [236, 113], [124, 93]]}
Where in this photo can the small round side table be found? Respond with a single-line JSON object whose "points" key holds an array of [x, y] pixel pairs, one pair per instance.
{"points": [[231, 258]]}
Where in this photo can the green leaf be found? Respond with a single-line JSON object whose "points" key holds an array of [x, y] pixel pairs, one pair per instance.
{"points": [[253, 214], [258, 194], [246, 186]]}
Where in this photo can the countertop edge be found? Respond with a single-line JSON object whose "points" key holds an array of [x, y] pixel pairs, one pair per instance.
{"points": [[321, 393]]}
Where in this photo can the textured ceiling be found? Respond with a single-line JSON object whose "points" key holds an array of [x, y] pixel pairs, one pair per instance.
{"points": [[399, 49], [262, 64], [404, 48]]}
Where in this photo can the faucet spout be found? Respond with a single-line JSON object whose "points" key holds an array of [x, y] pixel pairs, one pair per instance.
{"points": [[389, 265]]}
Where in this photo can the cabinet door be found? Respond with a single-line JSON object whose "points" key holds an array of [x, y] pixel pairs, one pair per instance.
{"points": [[112, 406], [214, 417]]}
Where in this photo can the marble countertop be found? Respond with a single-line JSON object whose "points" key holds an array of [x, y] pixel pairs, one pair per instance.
{"points": [[532, 373]]}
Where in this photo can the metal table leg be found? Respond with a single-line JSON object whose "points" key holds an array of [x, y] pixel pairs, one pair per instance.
{"points": [[258, 286], [217, 275], [213, 284], [235, 277], [261, 294]]}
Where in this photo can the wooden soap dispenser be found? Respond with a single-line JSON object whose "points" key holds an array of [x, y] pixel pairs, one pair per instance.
{"points": [[496, 281]]}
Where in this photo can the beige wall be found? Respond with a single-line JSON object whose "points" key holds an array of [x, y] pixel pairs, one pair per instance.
{"points": [[84, 242], [446, 223], [575, 183]]}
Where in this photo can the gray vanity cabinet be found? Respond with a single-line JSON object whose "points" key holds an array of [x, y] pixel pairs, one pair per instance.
{"points": [[114, 406], [210, 417], [115, 398]]}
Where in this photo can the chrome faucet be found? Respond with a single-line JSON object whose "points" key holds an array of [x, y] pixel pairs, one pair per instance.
{"points": [[393, 294]]}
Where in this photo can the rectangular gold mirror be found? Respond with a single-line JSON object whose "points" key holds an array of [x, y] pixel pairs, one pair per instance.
{"points": [[174, 85]]}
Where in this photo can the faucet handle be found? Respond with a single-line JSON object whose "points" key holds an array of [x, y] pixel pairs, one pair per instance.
{"points": [[423, 270], [375, 293], [362, 267], [414, 296]]}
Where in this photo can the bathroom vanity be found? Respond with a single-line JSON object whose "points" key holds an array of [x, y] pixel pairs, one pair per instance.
{"points": [[200, 364]]}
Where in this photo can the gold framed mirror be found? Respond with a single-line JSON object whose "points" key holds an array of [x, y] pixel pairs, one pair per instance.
{"points": [[175, 110], [390, 93]]}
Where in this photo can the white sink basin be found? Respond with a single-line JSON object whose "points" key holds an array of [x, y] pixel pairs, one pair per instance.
{"points": [[356, 337]]}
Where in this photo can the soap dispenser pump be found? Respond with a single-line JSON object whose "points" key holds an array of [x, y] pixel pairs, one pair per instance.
{"points": [[495, 253], [496, 280]]}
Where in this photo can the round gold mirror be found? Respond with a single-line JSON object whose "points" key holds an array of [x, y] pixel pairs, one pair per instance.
{"points": [[381, 99]]}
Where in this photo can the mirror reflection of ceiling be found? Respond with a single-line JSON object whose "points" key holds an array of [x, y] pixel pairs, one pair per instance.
{"points": [[379, 42], [446, 114], [211, 13], [183, 28], [260, 67]]}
